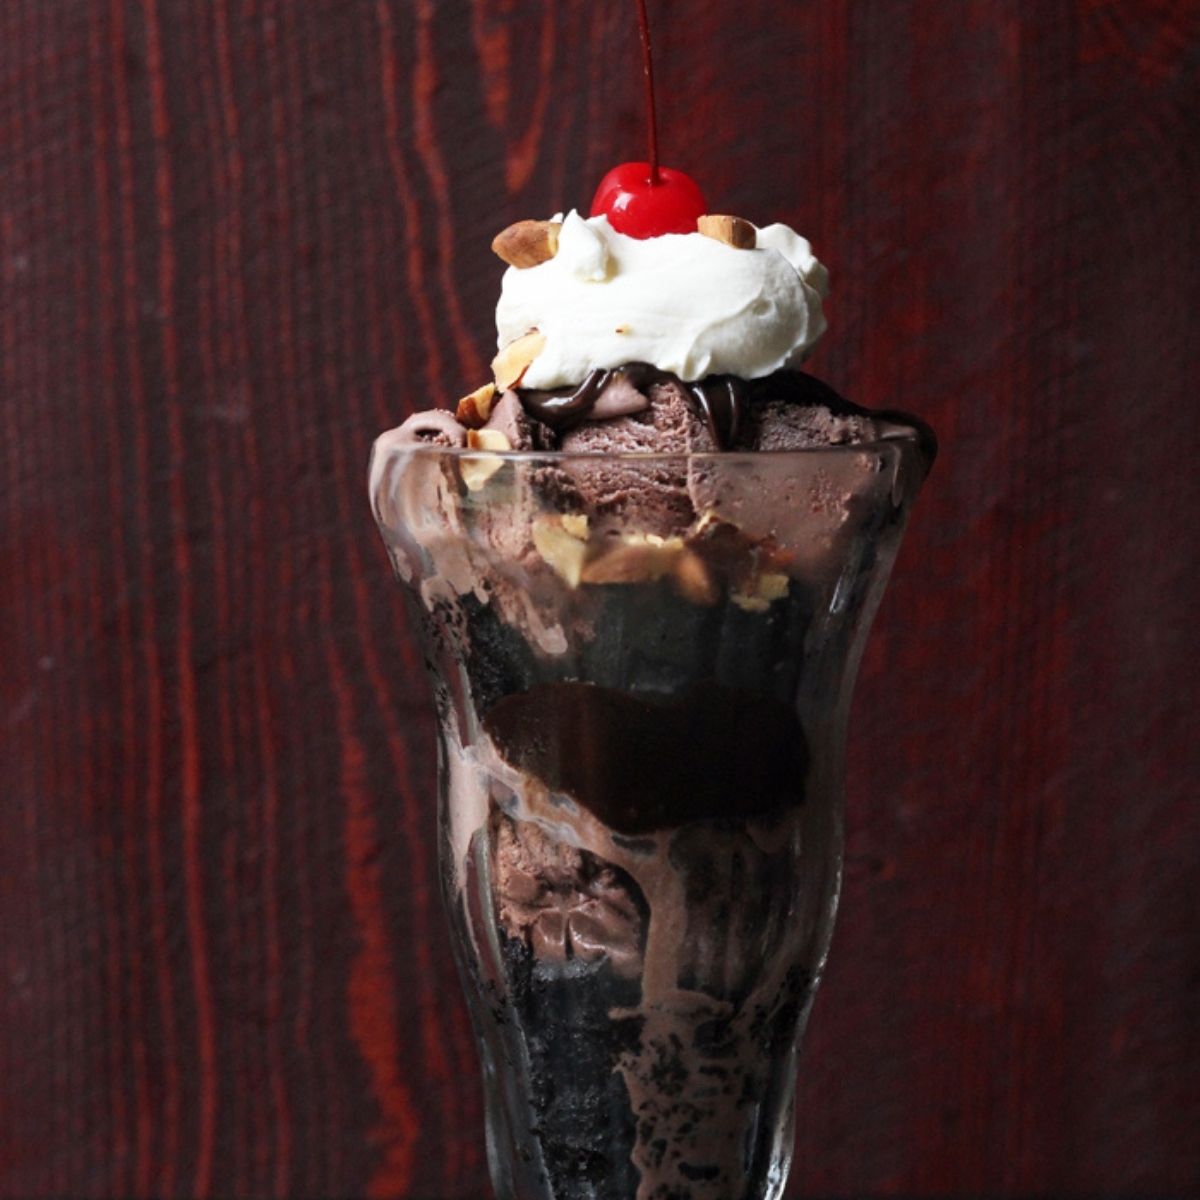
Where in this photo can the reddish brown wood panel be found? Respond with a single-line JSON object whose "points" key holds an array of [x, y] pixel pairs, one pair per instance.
{"points": [[238, 237]]}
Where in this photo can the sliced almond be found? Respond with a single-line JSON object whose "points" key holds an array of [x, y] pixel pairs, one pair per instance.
{"points": [[576, 524], [476, 472], [694, 580], [562, 550], [634, 559], [772, 586], [510, 365], [474, 410], [769, 587], [733, 231], [527, 243], [750, 604], [488, 439]]}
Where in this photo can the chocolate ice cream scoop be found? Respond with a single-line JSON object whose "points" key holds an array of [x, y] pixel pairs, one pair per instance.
{"points": [[563, 902]]}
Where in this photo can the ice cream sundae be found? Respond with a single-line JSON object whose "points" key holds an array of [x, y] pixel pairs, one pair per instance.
{"points": [[645, 555]]}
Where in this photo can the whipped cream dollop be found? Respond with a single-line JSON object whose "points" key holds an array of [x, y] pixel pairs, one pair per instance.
{"points": [[685, 303]]}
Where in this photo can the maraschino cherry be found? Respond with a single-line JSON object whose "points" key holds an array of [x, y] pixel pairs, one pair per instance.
{"points": [[644, 199]]}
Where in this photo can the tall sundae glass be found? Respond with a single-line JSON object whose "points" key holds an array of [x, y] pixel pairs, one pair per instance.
{"points": [[644, 562]]}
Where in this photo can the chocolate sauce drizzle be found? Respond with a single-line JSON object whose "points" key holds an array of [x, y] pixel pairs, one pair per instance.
{"points": [[720, 399], [564, 408], [724, 401]]}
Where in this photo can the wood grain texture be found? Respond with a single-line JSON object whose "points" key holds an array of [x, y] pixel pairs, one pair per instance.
{"points": [[238, 237]]}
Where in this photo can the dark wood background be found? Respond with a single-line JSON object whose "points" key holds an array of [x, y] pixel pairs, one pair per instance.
{"points": [[238, 237]]}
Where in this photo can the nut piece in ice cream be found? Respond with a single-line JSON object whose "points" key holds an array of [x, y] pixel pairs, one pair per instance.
{"points": [[637, 557], [768, 587], [733, 231], [694, 580], [645, 557], [510, 365], [563, 544], [576, 524], [527, 243], [474, 410], [477, 471]]}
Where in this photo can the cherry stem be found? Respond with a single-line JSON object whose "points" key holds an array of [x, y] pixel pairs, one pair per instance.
{"points": [[651, 109]]}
